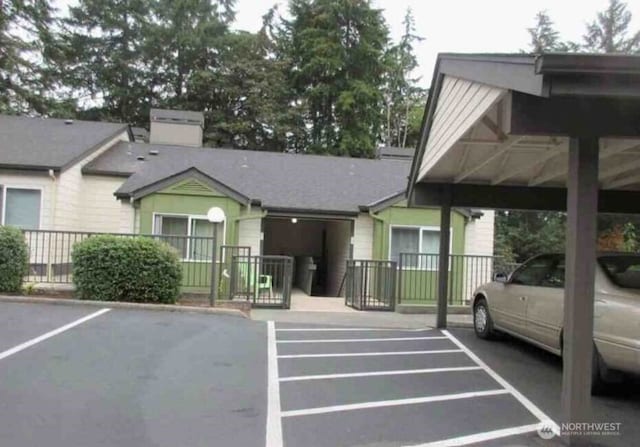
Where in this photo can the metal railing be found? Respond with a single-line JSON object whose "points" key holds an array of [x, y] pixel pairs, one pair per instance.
{"points": [[418, 277], [370, 285], [51, 255], [265, 281]]}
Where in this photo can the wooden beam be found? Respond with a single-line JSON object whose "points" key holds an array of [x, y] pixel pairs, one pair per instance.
{"points": [[504, 147], [524, 167], [614, 171], [464, 195], [494, 128], [615, 147], [625, 181], [582, 223], [443, 260]]}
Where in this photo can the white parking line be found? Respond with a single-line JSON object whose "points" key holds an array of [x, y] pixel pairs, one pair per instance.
{"points": [[378, 373], [391, 403], [43, 337], [367, 354], [349, 329], [274, 419], [361, 340], [481, 437], [533, 409]]}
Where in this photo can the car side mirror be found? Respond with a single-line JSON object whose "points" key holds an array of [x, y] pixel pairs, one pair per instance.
{"points": [[500, 277]]}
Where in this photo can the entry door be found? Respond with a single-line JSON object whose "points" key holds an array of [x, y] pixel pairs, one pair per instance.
{"points": [[518, 290]]}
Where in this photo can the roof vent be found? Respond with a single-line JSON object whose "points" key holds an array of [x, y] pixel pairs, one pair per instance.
{"points": [[140, 158], [68, 122], [153, 152]]}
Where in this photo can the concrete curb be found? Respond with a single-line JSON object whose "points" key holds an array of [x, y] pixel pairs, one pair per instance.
{"points": [[122, 305]]}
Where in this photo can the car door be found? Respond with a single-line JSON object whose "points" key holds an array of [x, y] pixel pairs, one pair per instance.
{"points": [[545, 304], [511, 303]]}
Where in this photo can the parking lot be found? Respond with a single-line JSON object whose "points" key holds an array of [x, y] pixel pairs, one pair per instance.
{"points": [[76, 375], [356, 386]]}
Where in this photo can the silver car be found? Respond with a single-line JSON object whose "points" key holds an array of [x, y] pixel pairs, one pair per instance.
{"points": [[529, 305]]}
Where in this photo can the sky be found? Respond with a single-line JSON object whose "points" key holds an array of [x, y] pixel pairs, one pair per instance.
{"points": [[465, 25]]}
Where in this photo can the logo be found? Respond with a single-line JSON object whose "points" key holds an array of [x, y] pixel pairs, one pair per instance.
{"points": [[546, 430]]}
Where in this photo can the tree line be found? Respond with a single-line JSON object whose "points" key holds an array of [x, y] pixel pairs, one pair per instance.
{"points": [[519, 234], [327, 79]]}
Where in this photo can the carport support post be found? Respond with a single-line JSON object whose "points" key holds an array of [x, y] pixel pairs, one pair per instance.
{"points": [[443, 259], [214, 277], [582, 213]]}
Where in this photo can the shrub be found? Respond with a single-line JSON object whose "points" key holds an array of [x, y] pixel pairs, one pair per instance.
{"points": [[110, 268], [14, 259]]}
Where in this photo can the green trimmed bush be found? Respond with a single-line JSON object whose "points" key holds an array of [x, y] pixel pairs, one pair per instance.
{"points": [[111, 268], [14, 259]]}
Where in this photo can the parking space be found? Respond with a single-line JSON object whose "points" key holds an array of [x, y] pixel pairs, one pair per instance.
{"points": [[130, 378], [360, 386]]}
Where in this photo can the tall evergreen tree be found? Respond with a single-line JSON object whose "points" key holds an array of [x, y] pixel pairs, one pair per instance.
{"points": [[610, 31], [104, 42], [25, 40], [401, 91], [336, 50], [544, 37]]}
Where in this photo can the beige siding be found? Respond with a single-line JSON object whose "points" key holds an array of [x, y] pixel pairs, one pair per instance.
{"points": [[127, 218], [99, 209], [249, 234], [460, 105], [36, 180], [177, 134], [71, 199], [363, 237], [338, 248], [478, 238]]}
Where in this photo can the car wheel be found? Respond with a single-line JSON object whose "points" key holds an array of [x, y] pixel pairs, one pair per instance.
{"points": [[482, 322]]}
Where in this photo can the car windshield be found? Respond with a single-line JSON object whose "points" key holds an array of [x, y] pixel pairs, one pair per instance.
{"points": [[623, 270]]}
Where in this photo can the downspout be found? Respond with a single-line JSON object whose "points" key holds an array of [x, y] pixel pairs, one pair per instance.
{"points": [[54, 195]]}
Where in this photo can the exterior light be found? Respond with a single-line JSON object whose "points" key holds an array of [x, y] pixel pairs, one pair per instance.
{"points": [[294, 220]]}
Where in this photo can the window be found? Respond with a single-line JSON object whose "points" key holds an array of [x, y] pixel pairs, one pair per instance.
{"points": [[623, 270], [21, 207], [189, 235], [415, 240], [533, 272]]}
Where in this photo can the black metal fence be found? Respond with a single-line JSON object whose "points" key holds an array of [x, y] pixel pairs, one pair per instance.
{"points": [[370, 285], [51, 256], [418, 277], [265, 281]]}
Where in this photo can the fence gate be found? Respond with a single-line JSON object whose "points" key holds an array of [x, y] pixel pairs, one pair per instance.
{"points": [[370, 285], [226, 274], [265, 281]]}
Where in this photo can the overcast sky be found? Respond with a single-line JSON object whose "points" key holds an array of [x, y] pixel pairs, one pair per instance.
{"points": [[466, 25]]}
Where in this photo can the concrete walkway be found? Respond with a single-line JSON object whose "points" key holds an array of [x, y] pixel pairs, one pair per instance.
{"points": [[358, 318], [302, 302]]}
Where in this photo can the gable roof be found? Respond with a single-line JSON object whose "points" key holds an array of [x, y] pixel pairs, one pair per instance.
{"points": [[279, 181], [554, 75], [47, 143]]}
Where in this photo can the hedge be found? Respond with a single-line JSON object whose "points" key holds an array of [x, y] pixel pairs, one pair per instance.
{"points": [[111, 268], [14, 259]]}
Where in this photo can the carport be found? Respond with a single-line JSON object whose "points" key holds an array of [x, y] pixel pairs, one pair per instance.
{"points": [[558, 132]]}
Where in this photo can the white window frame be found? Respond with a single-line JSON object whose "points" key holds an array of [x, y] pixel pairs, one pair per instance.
{"points": [[190, 219], [420, 229], [28, 187]]}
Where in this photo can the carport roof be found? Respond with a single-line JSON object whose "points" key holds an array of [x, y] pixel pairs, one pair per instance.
{"points": [[278, 181], [496, 123]]}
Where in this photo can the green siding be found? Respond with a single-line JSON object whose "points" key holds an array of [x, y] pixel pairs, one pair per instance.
{"points": [[191, 197], [418, 286], [399, 214]]}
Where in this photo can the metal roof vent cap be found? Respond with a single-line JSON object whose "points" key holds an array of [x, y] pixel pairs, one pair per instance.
{"points": [[140, 158], [154, 152], [68, 122]]}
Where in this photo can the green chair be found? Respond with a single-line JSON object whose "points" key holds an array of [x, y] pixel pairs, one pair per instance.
{"points": [[264, 282]]}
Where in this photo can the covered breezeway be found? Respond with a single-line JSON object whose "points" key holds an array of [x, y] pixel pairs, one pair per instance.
{"points": [[320, 247], [550, 132]]}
